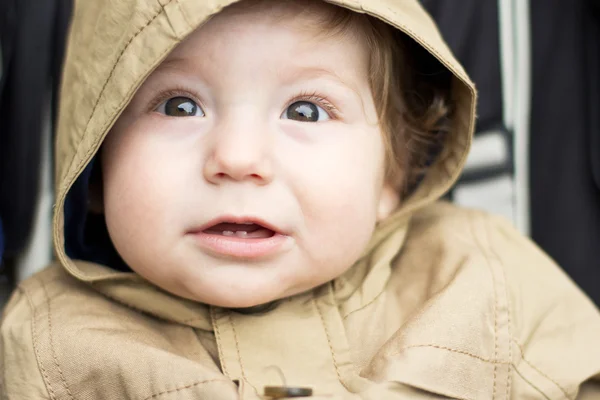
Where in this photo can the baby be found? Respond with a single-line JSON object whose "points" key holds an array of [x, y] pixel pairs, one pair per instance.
{"points": [[247, 208]]}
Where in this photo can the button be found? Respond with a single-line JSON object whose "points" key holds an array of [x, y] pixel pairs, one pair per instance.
{"points": [[285, 392]]}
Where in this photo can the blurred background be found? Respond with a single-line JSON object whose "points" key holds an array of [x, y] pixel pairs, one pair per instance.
{"points": [[535, 159]]}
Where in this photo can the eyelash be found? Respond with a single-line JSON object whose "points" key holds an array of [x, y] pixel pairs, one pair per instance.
{"points": [[312, 96], [177, 92], [322, 101]]}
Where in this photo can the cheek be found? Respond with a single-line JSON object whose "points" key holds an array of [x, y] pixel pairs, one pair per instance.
{"points": [[339, 191], [141, 189], [347, 173]]}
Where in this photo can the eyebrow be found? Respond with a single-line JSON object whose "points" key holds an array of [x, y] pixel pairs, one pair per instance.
{"points": [[170, 64], [316, 72]]}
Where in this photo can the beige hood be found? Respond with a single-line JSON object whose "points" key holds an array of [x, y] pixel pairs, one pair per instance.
{"points": [[115, 45]]}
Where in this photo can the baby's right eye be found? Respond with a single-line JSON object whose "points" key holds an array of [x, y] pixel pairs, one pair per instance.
{"points": [[180, 107]]}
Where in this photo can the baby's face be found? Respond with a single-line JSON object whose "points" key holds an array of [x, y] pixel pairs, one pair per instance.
{"points": [[249, 166]]}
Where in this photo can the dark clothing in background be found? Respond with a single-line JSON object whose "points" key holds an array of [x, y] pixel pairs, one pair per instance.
{"points": [[32, 36], [565, 137], [471, 30]]}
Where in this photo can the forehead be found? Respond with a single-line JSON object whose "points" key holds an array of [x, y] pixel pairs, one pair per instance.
{"points": [[254, 29], [311, 13]]}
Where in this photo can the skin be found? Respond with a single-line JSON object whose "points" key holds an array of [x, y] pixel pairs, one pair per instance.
{"points": [[321, 183]]}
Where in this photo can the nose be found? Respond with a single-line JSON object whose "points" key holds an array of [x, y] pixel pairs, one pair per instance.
{"points": [[239, 153]]}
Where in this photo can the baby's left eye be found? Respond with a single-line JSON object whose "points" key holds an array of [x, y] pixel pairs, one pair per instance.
{"points": [[180, 107], [305, 111]]}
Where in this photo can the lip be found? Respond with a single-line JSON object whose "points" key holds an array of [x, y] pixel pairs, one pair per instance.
{"points": [[240, 248], [239, 220]]}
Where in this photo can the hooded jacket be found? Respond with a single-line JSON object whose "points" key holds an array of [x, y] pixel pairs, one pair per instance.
{"points": [[444, 303]]}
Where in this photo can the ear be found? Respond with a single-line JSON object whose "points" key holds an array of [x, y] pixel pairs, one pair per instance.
{"points": [[388, 202]]}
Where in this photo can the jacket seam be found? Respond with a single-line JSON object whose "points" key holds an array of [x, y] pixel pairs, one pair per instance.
{"points": [[539, 371], [36, 347], [487, 360], [218, 339], [178, 389], [237, 346], [511, 365], [145, 313], [466, 353], [136, 34], [333, 358], [377, 296], [52, 348], [509, 315], [530, 383], [239, 353], [183, 13], [510, 355], [490, 268]]}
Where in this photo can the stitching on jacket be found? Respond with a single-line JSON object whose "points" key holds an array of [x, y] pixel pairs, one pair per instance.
{"points": [[335, 364], [540, 372], [218, 337], [183, 13], [508, 306], [36, 348], [496, 305], [239, 354], [237, 346], [512, 339], [483, 252], [530, 384], [466, 353], [140, 310], [364, 306], [65, 182], [191, 385], [509, 377], [122, 302], [119, 59], [62, 376], [509, 313]]}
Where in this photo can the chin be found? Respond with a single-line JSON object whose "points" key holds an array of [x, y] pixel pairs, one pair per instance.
{"points": [[241, 299], [241, 294]]}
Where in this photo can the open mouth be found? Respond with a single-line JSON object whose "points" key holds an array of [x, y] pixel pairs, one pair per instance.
{"points": [[246, 230], [243, 238]]}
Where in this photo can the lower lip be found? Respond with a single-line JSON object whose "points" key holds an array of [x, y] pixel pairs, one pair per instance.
{"points": [[235, 247]]}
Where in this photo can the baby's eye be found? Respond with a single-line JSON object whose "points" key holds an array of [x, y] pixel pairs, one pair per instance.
{"points": [[180, 107], [305, 111]]}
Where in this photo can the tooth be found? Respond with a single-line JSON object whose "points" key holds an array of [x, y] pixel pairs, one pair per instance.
{"points": [[241, 234], [247, 223], [228, 233]]}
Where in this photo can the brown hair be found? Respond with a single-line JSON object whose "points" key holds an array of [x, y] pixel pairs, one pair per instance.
{"points": [[411, 93]]}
